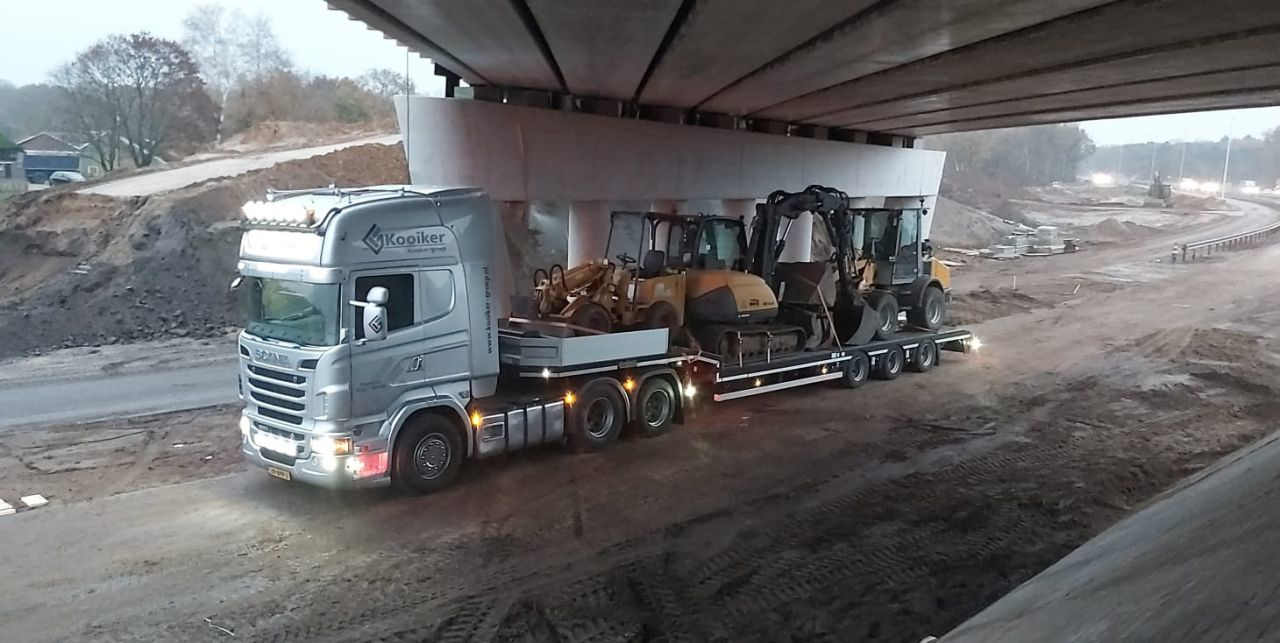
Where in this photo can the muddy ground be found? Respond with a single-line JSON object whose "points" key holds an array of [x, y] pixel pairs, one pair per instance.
{"points": [[884, 514]]}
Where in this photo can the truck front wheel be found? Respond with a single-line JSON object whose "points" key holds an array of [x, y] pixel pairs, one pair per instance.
{"points": [[596, 417], [428, 454]]}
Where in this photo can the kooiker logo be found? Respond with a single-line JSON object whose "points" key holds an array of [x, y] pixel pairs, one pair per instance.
{"points": [[376, 240]]}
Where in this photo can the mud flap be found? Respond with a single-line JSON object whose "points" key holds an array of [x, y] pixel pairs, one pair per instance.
{"points": [[856, 324]]}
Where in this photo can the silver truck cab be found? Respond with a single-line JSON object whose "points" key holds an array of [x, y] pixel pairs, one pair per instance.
{"points": [[363, 308]]}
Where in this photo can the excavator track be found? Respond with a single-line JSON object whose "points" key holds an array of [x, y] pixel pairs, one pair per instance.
{"points": [[750, 343]]}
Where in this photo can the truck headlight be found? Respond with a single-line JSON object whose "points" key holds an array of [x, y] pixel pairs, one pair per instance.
{"points": [[326, 445]]}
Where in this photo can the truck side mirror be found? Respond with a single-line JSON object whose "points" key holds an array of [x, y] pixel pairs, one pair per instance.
{"points": [[374, 314]]}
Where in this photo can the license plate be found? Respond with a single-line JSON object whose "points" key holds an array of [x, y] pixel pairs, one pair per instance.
{"points": [[276, 472]]}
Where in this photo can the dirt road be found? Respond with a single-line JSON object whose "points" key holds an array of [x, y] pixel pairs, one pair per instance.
{"points": [[165, 180], [883, 514]]}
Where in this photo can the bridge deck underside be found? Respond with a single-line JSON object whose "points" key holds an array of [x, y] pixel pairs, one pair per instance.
{"points": [[910, 67]]}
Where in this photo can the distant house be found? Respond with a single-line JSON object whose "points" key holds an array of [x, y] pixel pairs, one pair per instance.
{"points": [[49, 152], [12, 176]]}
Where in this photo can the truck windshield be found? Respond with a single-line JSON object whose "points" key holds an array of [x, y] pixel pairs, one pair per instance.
{"points": [[291, 311]]}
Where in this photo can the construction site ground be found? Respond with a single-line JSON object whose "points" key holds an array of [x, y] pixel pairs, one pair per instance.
{"points": [[888, 513]]}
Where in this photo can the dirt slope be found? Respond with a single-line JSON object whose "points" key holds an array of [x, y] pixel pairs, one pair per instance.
{"points": [[81, 269]]}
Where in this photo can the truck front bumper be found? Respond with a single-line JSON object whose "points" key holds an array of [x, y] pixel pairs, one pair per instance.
{"points": [[334, 472]]}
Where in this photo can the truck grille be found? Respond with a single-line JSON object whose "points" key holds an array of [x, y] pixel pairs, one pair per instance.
{"points": [[277, 415], [277, 375], [278, 402], [277, 393]]}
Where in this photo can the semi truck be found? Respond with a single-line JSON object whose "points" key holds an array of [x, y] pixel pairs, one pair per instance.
{"points": [[375, 350]]}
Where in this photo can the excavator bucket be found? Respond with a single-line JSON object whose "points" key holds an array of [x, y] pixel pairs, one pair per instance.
{"points": [[856, 323]]}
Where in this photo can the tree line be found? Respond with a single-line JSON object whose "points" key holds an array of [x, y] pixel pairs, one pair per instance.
{"points": [[1023, 156], [1252, 159], [138, 97]]}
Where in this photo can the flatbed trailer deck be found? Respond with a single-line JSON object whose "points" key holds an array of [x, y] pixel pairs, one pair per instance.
{"points": [[544, 376]]}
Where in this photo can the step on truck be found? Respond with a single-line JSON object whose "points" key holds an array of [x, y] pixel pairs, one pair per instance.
{"points": [[374, 351]]}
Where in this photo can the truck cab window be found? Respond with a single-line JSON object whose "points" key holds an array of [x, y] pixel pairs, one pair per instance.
{"points": [[400, 303]]}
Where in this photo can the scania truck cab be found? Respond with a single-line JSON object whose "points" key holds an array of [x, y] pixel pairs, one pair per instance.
{"points": [[363, 308]]}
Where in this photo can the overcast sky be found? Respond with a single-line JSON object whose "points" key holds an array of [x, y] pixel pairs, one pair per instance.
{"points": [[321, 41]]}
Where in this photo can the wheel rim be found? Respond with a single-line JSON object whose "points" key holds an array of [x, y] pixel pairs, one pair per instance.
{"points": [[926, 354], [887, 319], [431, 456], [599, 417], [860, 369], [656, 408], [934, 310], [895, 362]]}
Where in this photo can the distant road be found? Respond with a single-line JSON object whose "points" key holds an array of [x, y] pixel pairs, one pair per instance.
{"points": [[166, 180], [96, 397]]}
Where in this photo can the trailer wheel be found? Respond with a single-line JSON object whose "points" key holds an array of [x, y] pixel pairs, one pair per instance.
{"points": [[932, 310], [924, 357], [856, 370], [597, 417], [428, 454], [655, 407], [886, 307], [889, 366]]}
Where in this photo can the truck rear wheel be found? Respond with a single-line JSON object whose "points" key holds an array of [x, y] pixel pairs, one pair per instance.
{"points": [[886, 307], [931, 312], [655, 407], [889, 366], [428, 454], [597, 417], [856, 370], [924, 357]]}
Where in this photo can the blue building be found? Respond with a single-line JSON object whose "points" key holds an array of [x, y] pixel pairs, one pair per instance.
{"points": [[46, 153]]}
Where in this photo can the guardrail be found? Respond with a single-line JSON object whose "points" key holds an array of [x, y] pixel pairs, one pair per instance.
{"points": [[1190, 251]]}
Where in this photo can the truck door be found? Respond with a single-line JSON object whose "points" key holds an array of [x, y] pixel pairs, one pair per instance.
{"points": [[426, 339], [906, 262]]}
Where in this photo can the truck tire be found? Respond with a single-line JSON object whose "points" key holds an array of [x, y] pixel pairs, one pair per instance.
{"points": [[924, 357], [890, 364], [931, 312], [856, 370], [596, 418], [655, 407], [428, 454], [886, 307]]}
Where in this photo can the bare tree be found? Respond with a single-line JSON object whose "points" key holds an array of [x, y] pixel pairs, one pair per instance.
{"points": [[231, 49], [136, 91], [212, 36], [261, 49]]}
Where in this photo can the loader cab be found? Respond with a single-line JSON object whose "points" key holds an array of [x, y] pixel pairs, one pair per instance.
{"points": [[671, 242], [891, 239]]}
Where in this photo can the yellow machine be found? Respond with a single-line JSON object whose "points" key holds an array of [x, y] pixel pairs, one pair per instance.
{"points": [[692, 278]]}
